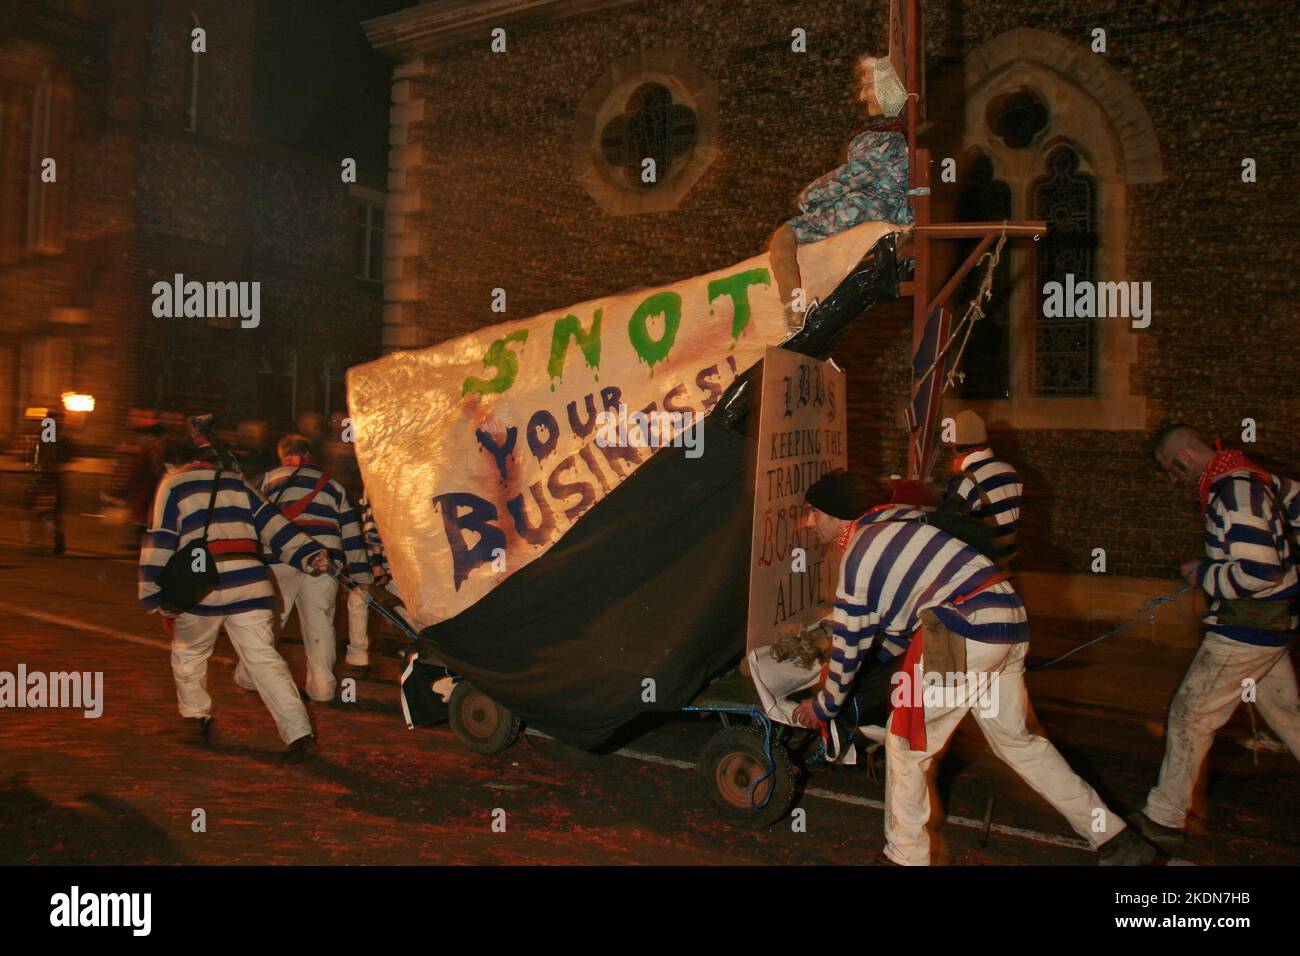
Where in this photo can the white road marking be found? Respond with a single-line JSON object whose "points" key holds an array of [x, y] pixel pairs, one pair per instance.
{"points": [[97, 629], [1070, 842], [655, 758], [1074, 844]]}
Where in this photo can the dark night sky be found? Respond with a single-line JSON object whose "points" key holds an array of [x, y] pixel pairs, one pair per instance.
{"points": [[321, 87]]}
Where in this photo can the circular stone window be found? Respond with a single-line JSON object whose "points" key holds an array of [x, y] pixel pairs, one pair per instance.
{"points": [[646, 133]]}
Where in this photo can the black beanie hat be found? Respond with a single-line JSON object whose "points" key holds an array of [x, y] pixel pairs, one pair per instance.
{"points": [[840, 495]]}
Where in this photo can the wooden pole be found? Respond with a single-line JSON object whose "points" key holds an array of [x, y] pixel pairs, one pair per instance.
{"points": [[969, 230], [918, 177]]}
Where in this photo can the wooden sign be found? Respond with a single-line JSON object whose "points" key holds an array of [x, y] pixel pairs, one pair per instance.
{"points": [[802, 434]]}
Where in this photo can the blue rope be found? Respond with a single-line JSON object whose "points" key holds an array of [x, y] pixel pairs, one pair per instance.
{"points": [[1147, 610]]}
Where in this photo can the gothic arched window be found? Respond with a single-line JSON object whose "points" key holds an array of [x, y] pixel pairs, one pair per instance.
{"points": [[1069, 136], [1065, 348]]}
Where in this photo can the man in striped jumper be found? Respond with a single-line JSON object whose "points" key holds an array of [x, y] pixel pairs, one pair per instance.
{"points": [[319, 506], [1249, 574], [907, 589], [242, 523], [358, 654], [986, 487]]}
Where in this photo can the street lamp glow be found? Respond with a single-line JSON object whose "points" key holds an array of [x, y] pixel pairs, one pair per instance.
{"points": [[76, 402]]}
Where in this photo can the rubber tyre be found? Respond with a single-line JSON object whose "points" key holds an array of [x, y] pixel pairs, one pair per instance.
{"points": [[479, 722], [731, 761]]}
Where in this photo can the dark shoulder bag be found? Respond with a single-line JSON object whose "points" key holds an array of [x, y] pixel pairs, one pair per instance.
{"points": [[180, 586], [952, 517]]}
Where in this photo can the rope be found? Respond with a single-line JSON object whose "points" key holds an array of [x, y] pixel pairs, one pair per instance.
{"points": [[974, 312], [1147, 610]]}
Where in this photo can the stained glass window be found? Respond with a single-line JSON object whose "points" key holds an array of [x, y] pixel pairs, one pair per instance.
{"points": [[1065, 348]]}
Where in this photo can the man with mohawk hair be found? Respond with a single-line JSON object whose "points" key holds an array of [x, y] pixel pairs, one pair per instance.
{"points": [[1249, 575]]}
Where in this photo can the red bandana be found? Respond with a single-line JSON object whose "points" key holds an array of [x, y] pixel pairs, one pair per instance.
{"points": [[1226, 461], [959, 460]]}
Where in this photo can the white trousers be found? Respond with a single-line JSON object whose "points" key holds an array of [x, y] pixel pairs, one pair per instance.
{"points": [[908, 784], [1215, 684], [315, 596], [195, 636], [359, 622]]}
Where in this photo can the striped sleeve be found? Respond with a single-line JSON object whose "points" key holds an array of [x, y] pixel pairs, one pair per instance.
{"points": [[354, 544], [1245, 521], [1002, 486], [158, 545], [964, 490], [280, 535], [854, 629], [374, 543], [1288, 493]]}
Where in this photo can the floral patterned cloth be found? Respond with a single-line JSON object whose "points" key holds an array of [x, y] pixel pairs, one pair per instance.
{"points": [[870, 187]]}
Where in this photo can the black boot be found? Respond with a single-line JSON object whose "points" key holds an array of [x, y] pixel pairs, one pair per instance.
{"points": [[202, 726], [874, 279], [1127, 848], [302, 750], [1168, 839]]}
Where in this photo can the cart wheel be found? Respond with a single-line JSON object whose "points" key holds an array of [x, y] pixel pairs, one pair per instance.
{"points": [[733, 763], [481, 724]]}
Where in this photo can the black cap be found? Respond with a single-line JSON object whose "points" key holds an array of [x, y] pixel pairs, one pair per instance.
{"points": [[840, 495]]}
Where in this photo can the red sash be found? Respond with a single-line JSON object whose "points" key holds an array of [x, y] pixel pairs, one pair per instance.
{"points": [[298, 507], [908, 720], [232, 546]]}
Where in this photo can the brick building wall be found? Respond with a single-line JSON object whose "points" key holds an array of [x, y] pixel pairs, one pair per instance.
{"points": [[483, 164], [143, 198]]}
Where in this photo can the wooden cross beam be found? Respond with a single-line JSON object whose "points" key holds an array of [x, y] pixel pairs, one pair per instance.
{"points": [[907, 55]]}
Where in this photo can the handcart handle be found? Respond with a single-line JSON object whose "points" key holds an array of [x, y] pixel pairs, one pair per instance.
{"points": [[381, 599]]}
